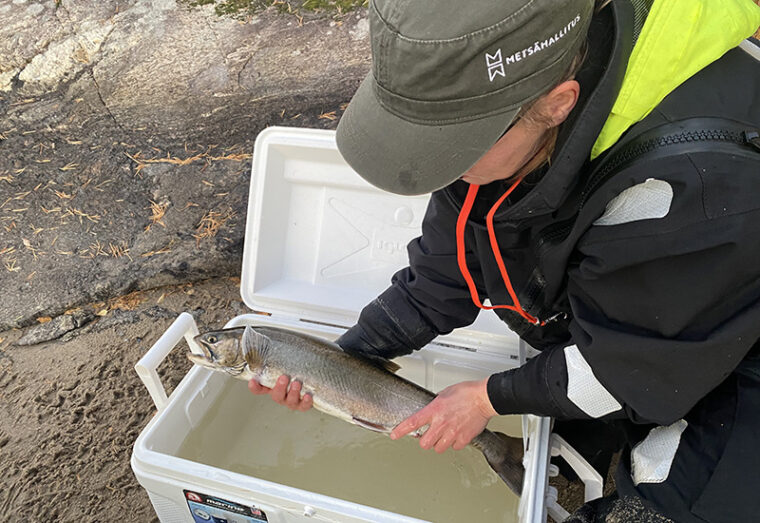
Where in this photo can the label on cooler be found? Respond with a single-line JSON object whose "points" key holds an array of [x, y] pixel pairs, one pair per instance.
{"points": [[211, 509]]}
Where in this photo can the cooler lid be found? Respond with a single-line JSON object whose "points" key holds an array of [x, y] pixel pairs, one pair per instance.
{"points": [[320, 242]]}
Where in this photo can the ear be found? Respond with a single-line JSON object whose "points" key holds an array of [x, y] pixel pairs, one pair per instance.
{"points": [[560, 101]]}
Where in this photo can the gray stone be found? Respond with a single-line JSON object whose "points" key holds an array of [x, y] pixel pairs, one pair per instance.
{"points": [[127, 317], [93, 97], [159, 68], [55, 328]]}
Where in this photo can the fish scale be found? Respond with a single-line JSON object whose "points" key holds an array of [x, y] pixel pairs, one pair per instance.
{"points": [[351, 393]]}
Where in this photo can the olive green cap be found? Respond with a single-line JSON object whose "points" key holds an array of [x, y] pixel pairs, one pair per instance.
{"points": [[447, 79]]}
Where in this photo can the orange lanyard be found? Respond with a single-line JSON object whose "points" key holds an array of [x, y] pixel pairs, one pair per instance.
{"points": [[464, 215]]}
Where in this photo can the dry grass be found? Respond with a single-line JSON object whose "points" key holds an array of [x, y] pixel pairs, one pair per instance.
{"points": [[211, 223], [117, 251], [204, 156], [58, 201], [34, 250], [10, 265], [69, 167], [163, 250], [78, 213], [158, 211], [129, 302], [62, 195], [95, 249]]}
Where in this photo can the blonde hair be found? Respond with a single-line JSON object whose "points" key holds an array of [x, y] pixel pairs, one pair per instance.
{"points": [[601, 4], [532, 116], [535, 117]]}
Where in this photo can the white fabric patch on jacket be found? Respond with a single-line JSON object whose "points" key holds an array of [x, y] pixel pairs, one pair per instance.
{"points": [[652, 458], [644, 201], [584, 389], [751, 49]]}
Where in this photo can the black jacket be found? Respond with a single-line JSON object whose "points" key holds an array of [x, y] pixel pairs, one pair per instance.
{"points": [[660, 309]]}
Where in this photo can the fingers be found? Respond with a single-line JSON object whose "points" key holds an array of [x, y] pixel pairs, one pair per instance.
{"points": [[294, 400], [439, 436], [446, 441], [444, 437], [451, 420], [289, 396], [412, 423], [280, 389], [460, 444], [257, 388], [432, 435], [293, 397], [306, 403]]}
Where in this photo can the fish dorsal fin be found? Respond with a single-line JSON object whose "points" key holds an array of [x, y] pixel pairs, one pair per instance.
{"points": [[253, 343], [378, 361]]}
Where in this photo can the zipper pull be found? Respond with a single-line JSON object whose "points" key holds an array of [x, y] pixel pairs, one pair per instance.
{"points": [[752, 138]]}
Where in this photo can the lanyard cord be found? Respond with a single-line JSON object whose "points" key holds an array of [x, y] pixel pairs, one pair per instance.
{"points": [[464, 214]]}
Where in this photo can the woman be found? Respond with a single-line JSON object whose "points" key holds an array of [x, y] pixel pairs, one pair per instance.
{"points": [[608, 211]]}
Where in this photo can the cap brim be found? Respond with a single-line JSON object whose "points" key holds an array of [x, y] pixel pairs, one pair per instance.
{"points": [[407, 158]]}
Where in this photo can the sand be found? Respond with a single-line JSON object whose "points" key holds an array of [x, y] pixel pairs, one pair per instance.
{"points": [[71, 409]]}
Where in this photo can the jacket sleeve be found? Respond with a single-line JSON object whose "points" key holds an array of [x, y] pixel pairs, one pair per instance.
{"points": [[664, 310], [427, 298]]}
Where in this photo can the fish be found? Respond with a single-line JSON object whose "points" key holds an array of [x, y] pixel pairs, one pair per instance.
{"points": [[361, 390]]}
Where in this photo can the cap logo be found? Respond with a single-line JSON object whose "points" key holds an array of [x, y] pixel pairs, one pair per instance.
{"points": [[496, 64]]}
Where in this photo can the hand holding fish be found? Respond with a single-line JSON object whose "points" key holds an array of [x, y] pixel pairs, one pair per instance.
{"points": [[457, 415], [282, 394]]}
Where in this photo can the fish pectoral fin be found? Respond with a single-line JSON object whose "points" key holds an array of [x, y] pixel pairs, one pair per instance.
{"points": [[369, 425], [253, 342]]}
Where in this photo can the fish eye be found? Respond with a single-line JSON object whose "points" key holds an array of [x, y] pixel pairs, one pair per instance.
{"points": [[212, 339]]}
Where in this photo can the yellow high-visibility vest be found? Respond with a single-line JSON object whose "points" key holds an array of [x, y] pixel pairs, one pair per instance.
{"points": [[679, 38]]}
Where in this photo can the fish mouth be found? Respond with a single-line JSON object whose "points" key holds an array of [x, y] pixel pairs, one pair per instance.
{"points": [[199, 359], [207, 358], [209, 363]]}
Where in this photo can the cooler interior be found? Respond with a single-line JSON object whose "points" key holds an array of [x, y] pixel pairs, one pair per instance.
{"points": [[218, 427]]}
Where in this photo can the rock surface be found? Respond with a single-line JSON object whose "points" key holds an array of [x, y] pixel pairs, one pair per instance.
{"points": [[161, 69], [55, 328], [126, 133]]}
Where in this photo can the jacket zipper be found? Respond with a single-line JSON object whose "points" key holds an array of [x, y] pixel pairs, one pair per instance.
{"points": [[742, 138]]}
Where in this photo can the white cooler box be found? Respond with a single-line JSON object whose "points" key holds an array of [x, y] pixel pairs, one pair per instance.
{"points": [[320, 244]]}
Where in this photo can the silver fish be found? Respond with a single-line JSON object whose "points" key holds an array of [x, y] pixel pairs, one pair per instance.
{"points": [[358, 390]]}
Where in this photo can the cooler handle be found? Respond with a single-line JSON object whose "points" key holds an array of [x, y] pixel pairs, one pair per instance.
{"points": [[183, 326], [591, 479]]}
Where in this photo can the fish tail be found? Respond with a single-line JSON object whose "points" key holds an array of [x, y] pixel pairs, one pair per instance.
{"points": [[504, 454]]}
